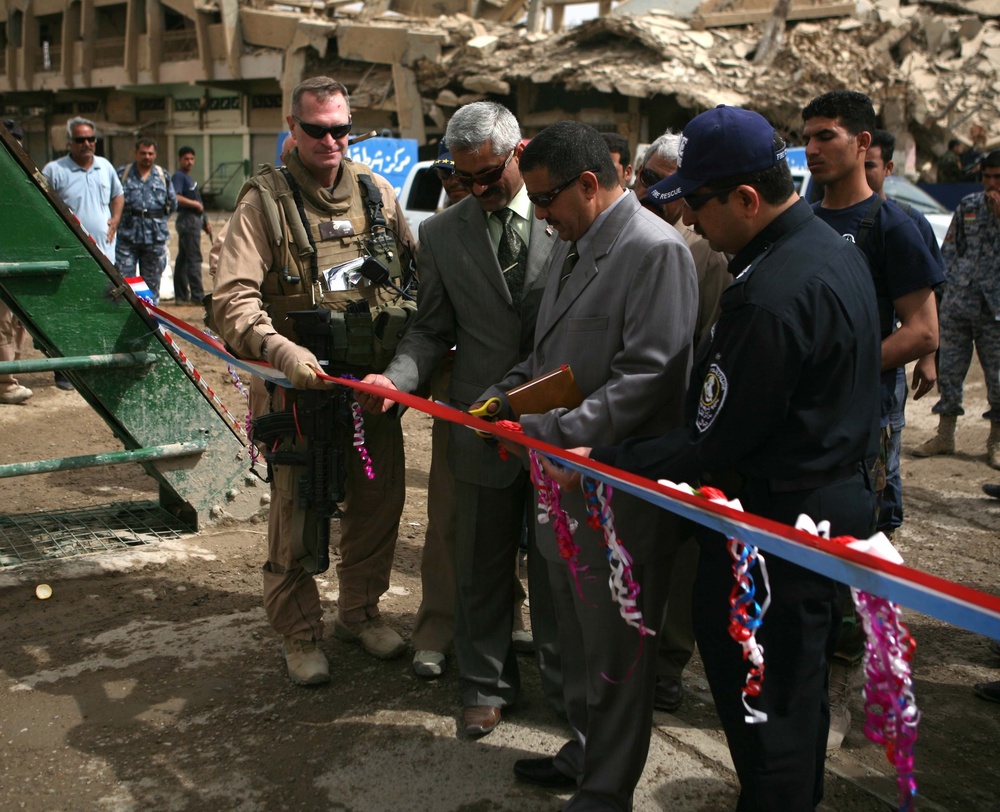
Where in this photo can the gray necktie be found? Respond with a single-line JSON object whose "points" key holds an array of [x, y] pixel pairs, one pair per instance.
{"points": [[568, 265], [512, 254]]}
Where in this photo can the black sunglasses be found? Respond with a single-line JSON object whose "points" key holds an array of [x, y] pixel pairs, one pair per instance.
{"points": [[444, 172], [85, 139], [647, 177], [318, 131], [695, 202], [486, 177], [544, 199]]}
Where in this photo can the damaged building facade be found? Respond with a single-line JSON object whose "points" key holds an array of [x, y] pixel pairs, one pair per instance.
{"points": [[217, 74]]}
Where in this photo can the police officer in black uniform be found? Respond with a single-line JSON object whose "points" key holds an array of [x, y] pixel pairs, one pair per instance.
{"points": [[782, 414]]}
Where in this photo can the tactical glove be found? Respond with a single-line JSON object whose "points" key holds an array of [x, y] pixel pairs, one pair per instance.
{"points": [[296, 363]]}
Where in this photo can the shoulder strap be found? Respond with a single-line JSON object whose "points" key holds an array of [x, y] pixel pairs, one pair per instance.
{"points": [[303, 221], [280, 211], [960, 240], [868, 222], [373, 200], [124, 173]]}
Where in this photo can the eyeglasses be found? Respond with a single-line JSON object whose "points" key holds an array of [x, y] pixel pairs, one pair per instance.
{"points": [[85, 139], [318, 131], [444, 172], [544, 199], [486, 177], [695, 202], [647, 177]]}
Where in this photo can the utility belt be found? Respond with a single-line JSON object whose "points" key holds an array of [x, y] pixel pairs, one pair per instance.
{"points": [[803, 482], [145, 214]]}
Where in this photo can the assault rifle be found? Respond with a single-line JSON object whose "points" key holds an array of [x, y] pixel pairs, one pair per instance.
{"points": [[311, 440]]}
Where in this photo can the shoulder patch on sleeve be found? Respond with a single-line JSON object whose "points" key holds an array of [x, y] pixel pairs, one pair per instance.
{"points": [[713, 395]]}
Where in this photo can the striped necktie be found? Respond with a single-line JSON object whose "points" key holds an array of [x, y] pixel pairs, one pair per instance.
{"points": [[568, 266]]}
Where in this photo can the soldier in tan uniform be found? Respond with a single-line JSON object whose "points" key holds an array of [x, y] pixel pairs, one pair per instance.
{"points": [[290, 227]]}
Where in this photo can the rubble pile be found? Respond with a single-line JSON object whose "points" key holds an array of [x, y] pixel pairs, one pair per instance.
{"points": [[933, 69]]}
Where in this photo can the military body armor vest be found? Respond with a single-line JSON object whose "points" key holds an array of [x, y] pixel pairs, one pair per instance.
{"points": [[309, 235]]}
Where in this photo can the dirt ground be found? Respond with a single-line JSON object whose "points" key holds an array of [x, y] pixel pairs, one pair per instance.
{"points": [[150, 680]]}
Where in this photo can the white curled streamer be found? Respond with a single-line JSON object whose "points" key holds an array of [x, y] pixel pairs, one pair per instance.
{"points": [[624, 590]]}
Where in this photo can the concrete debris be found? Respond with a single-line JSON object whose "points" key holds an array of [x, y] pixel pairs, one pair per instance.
{"points": [[934, 73]]}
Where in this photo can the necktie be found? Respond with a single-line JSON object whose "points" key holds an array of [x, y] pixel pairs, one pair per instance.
{"points": [[568, 266], [512, 254]]}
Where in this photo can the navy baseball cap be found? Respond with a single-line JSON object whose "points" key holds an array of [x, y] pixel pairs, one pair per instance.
{"points": [[719, 144], [444, 159]]}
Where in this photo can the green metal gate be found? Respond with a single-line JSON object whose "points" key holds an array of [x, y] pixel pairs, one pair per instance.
{"points": [[89, 323]]}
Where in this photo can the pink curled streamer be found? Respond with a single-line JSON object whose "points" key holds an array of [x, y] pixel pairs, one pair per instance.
{"points": [[248, 420], [359, 439], [891, 713]]}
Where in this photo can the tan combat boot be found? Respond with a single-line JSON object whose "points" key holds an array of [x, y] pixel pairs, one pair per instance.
{"points": [[993, 446], [941, 443], [307, 665]]}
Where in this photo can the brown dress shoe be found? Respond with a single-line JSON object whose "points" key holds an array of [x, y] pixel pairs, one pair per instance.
{"points": [[480, 719]]}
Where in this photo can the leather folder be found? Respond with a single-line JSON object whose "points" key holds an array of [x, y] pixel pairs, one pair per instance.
{"points": [[552, 390]]}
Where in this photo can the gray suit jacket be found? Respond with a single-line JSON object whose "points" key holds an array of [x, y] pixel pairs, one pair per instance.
{"points": [[463, 302], [624, 323]]}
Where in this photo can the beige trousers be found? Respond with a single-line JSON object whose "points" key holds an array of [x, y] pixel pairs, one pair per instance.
{"points": [[368, 532]]}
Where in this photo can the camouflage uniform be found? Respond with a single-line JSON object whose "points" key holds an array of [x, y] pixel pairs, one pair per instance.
{"points": [[970, 306], [143, 233]]}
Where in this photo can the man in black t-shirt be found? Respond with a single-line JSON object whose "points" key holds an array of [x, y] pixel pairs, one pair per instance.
{"points": [[191, 221], [838, 131]]}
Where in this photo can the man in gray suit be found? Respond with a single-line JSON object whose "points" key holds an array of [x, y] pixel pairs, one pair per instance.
{"points": [[482, 266], [621, 313]]}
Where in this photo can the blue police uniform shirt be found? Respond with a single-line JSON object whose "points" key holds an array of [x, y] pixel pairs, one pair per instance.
{"points": [[147, 205]]}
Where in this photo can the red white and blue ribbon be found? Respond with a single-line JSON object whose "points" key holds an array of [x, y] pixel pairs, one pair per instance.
{"points": [[946, 600]]}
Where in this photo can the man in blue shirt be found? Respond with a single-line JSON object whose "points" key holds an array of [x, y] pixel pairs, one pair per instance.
{"points": [[88, 184], [149, 200], [191, 221]]}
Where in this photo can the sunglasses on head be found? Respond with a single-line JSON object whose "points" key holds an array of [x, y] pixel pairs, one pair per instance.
{"points": [[647, 177], [544, 199], [318, 131], [486, 177], [695, 202], [85, 139]]}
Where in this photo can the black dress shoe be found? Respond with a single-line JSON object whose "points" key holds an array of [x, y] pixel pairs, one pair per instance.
{"points": [[669, 694], [984, 690], [542, 772], [992, 490], [64, 383]]}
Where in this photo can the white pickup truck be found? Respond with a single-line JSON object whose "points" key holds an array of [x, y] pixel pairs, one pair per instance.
{"points": [[422, 195]]}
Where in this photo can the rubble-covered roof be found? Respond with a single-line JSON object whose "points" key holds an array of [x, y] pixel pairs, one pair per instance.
{"points": [[934, 68]]}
